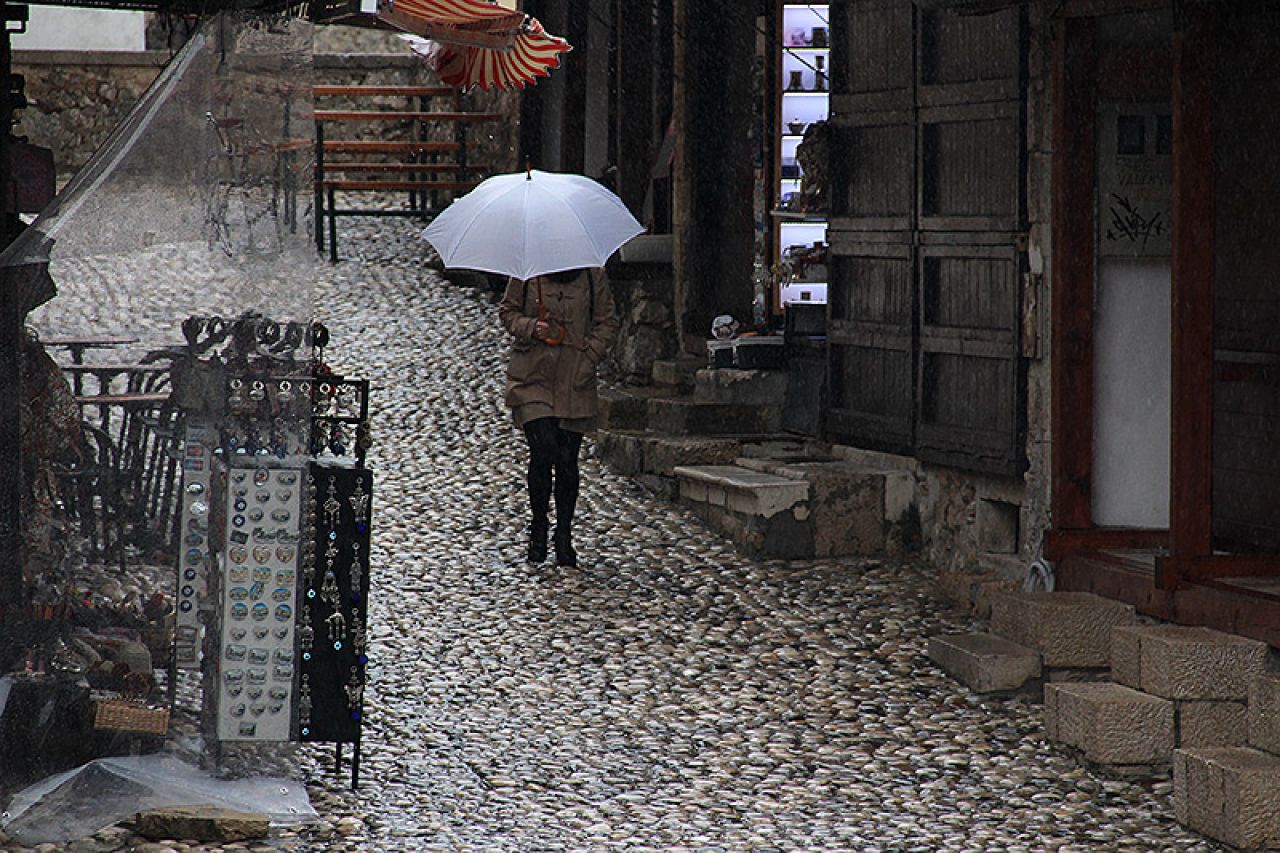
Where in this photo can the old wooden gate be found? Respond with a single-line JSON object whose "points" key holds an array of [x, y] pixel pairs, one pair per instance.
{"points": [[928, 215]]}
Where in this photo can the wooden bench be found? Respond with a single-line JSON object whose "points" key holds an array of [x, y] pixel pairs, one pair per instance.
{"points": [[426, 169]]}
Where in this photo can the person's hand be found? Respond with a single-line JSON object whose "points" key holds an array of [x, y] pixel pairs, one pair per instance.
{"points": [[540, 330]]}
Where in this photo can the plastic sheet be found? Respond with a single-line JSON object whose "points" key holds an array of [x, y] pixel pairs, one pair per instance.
{"points": [[104, 792]]}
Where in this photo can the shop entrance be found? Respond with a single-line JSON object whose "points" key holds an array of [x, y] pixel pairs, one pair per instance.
{"points": [[1131, 318]]}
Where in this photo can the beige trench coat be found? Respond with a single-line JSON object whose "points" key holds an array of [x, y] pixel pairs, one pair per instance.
{"points": [[559, 380]]}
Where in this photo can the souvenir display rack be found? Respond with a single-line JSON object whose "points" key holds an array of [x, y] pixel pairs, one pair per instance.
{"points": [[274, 572], [803, 99]]}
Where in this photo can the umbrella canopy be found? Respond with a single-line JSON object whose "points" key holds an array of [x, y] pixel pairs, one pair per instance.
{"points": [[463, 22], [533, 53], [532, 223]]}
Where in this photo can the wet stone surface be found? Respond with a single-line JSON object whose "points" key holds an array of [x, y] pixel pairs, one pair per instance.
{"points": [[670, 694]]}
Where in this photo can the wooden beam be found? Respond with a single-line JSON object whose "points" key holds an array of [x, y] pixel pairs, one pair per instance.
{"points": [[1062, 543], [1212, 604], [1220, 566], [1074, 181], [635, 132], [398, 115], [1193, 214], [380, 91]]}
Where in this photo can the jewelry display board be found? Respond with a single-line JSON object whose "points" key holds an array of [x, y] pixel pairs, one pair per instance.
{"points": [[333, 618]]}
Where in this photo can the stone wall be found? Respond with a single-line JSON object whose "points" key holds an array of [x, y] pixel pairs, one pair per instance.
{"points": [[77, 98]]}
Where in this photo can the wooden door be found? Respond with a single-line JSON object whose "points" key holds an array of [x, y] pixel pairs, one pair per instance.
{"points": [[928, 211]]}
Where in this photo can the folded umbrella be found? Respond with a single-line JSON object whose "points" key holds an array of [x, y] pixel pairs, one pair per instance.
{"points": [[532, 223]]}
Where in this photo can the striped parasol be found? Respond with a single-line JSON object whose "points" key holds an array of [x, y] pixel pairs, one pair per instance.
{"points": [[464, 22], [533, 54]]}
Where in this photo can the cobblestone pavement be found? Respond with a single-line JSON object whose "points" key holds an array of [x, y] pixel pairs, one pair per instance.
{"points": [[668, 695]]}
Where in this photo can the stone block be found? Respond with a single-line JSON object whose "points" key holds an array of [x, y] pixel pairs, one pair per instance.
{"points": [[1110, 723], [985, 663], [1186, 662], [1264, 713], [664, 453], [764, 513], [961, 588], [622, 411], [622, 451], [741, 387], [677, 372], [1231, 794], [686, 416], [1126, 651], [201, 823], [986, 592], [1207, 723], [1070, 629]]}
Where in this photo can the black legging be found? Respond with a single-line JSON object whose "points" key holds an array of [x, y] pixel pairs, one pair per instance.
{"points": [[551, 447]]}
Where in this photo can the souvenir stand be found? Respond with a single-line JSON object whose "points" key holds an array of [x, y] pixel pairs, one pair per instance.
{"points": [[273, 575]]}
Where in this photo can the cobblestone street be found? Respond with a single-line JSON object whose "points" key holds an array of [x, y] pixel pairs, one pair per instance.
{"points": [[668, 695]]}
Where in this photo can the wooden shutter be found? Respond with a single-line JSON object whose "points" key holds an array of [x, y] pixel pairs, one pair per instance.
{"points": [[871, 290], [971, 119], [870, 335], [970, 205], [970, 381]]}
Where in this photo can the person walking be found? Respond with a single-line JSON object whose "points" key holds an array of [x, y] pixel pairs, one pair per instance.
{"points": [[562, 325]]}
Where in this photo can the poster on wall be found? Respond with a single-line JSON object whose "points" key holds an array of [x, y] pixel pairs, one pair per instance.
{"points": [[1135, 179]]}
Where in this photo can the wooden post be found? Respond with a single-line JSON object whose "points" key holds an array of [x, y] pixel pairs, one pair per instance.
{"points": [[635, 123], [12, 547], [1193, 213], [714, 228], [1074, 186], [573, 129]]}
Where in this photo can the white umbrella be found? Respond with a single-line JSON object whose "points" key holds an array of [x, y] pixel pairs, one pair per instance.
{"points": [[532, 223]]}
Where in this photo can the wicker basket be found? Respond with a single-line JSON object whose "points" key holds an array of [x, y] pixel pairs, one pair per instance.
{"points": [[125, 715]]}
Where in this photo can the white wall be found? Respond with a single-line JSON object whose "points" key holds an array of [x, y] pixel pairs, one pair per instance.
{"points": [[1132, 382], [52, 28]]}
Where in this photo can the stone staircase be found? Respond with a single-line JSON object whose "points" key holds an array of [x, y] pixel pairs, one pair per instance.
{"points": [[712, 440], [1140, 700]]}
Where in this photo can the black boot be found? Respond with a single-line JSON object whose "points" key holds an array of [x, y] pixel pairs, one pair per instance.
{"points": [[538, 539], [565, 555]]}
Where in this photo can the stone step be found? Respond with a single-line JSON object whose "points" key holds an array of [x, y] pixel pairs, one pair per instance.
{"points": [[857, 510], [1264, 713], [1231, 794], [985, 663], [636, 452], [1109, 723], [741, 387], [765, 514], [677, 372], [687, 416], [622, 409], [1069, 629], [1186, 662]]}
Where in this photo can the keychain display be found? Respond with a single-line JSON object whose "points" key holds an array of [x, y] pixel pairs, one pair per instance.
{"points": [[274, 576], [258, 597], [199, 439]]}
